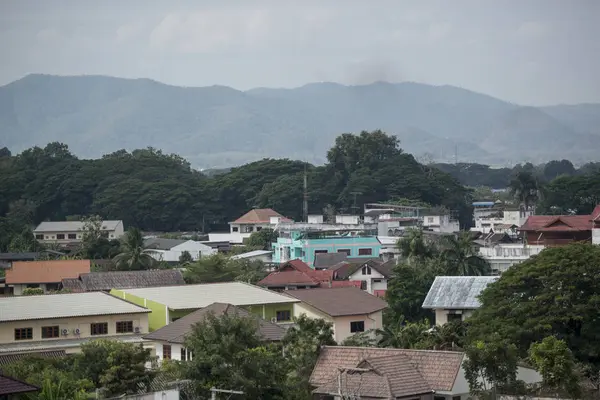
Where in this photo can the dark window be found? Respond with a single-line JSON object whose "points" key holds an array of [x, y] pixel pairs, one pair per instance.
{"points": [[49, 332], [363, 285], [357, 326], [183, 354], [124, 326], [99, 329], [376, 280], [72, 236], [284, 315], [366, 270], [258, 228], [439, 398], [455, 397], [39, 237], [346, 251], [23, 333], [454, 317], [365, 252], [104, 234], [166, 351], [235, 229], [60, 236]]}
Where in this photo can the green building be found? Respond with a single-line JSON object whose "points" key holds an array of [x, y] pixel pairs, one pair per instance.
{"points": [[169, 303]]}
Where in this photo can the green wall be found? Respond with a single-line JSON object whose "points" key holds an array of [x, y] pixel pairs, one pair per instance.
{"points": [[156, 319], [271, 310]]}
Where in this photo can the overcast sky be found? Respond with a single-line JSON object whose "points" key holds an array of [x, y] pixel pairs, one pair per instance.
{"points": [[530, 52]]}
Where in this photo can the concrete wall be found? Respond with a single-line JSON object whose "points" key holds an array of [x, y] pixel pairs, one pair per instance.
{"points": [[369, 278], [159, 315], [7, 329], [441, 315]]}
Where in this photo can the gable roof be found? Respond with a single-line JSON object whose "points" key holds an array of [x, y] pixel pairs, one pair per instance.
{"points": [[10, 385], [161, 243], [338, 302], [326, 260], [45, 271], [95, 281], [457, 292], [561, 223], [260, 216], [438, 368], [176, 331], [298, 273], [24, 308], [188, 297], [384, 268], [72, 226]]}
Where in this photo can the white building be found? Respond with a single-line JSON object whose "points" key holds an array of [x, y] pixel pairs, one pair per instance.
{"points": [[65, 232], [170, 250], [502, 256], [253, 221], [374, 276], [501, 221], [260, 255]]}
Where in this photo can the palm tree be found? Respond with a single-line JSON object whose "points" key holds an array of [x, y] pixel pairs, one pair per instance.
{"points": [[133, 256], [460, 257], [525, 189], [414, 246], [402, 335]]}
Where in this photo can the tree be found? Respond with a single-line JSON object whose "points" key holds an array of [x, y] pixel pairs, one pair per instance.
{"points": [[33, 291], [219, 268], [460, 257], [262, 239], [133, 255], [406, 292], [414, 247], [185, 258], [551, 294], [361, 339], [553, 359], [403, 335], [524, 187], [554, 169], [450, 336]]}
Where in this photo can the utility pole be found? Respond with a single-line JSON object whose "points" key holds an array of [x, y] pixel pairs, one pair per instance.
{"points": [[214, 391]]}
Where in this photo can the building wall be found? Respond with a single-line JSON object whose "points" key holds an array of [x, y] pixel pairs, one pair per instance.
{"points": [[51, 237], [596, 236], [159, 315], [196, 249], [7, 329], [175, 350], [441, 315], [371, 285], [286, 249]]}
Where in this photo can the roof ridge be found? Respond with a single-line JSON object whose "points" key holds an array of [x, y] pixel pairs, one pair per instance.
{"points": [[393, 349]]}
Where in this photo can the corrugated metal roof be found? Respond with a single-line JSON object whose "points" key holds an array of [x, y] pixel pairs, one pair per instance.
{"points": [[203, 295], [72, 226], [11, 358], [250, 254], [456, 292], [33, 347], [22, 308]]}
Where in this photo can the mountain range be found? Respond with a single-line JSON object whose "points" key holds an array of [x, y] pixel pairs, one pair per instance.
{"points": [[218, 126]]}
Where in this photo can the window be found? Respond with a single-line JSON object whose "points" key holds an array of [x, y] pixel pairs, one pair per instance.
{"points": [[430, 220], [439, 398], [47, 237], [23, 333], [183, 354], [166, 351], [320, 252], [363, 285], [258, 228], [357, 326], [72, 236], [345, 251], [99, 328], [365, 252], [377, 280], [455, 397], [124, 326], [49, 332], [366, 270], [235, 229], [247, 228], [454, 317], [39, 237], [283, 315], [60, 236]]}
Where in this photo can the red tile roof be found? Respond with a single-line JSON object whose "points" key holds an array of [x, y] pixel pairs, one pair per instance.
{"points": [[298, 273], [596, 213], [557, 223], [260, 216]]}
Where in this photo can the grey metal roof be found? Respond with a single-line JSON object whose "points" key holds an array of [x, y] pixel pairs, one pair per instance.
{"points": [[22, 308], [203, 295], [457, 292], [162, 244], [72, 226], [42, 345]]}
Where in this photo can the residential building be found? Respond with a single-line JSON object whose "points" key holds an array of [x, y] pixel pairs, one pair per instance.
{"points": [[393, 220], [439, 371], [373, 275], [256, 255], [106, 281], [169, 303], [170, 250], [455, 297], [46, 275], [30, 324], [65, 232], [253, 221], [169, 340], [307, 245], [557, 230], [502, 256], [350, 309], [13, 389], [296, 274], [483, 209], [502, 220]]}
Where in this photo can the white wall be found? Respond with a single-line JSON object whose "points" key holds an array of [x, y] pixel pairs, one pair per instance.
{"points": [[441, 315], [175, 350], [371, 286], [596, 236], [196, 249]]}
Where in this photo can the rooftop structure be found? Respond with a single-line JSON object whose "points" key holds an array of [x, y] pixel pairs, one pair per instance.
{"points": [[337, 302], [105, 281]]}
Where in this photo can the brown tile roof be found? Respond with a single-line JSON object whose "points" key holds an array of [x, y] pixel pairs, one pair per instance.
{"points": [[386, 377], [96, 281], [296, 272], [45, 271], [438, 368], [260, 216], [339, 301], [13, 386], [557, 223], [175, 332]]}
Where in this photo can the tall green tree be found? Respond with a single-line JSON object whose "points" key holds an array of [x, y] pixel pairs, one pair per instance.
{"points": [[415, 248], [262, 239], [133, 256], [406, 292], [553, 359], [460, 258], [525, 189]]}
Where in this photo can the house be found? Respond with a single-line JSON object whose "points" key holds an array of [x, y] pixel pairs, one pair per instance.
{"points": [[373, 275], [169, 303], [439, 371], [47, 275], [502, 220], [31, 324], [253, 221], [65, 232], [296, 274], [256, 255], [557, 230], [106, 281], [13, 389], [169, 340], [307, 245], [350, 309], [170, 250], [455, 297], [502, 256]]}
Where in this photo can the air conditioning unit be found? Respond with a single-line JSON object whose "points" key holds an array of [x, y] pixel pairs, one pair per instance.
{"points": [[136, 329], [274, 320], [76, 331], [64, 332]]}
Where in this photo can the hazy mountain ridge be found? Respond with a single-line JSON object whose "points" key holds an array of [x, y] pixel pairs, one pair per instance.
{"points": [[218, 126]]}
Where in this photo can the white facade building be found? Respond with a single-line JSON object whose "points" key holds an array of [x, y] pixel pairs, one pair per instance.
{"points": [[253, 221], [504, 255], [65, 232], [170, 250]]}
